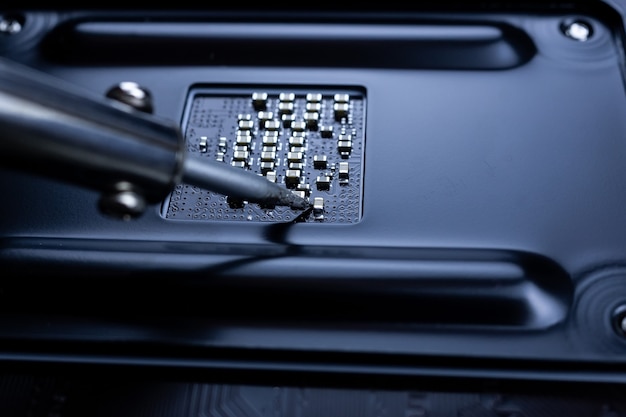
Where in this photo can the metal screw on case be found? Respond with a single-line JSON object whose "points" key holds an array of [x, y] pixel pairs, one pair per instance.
{"points": [[125, 203], [10, 25], [619, 320], [577, 30], [133, 94]]}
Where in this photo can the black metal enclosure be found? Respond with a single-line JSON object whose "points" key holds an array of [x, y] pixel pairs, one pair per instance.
{"points": [[467, 255]]}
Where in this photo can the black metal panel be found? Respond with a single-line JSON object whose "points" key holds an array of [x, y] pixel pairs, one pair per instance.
{"points": [[492, 225]]}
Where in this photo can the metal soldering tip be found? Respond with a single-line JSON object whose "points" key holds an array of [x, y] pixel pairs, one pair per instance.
{"points": [[239, 183], [292, 200]]}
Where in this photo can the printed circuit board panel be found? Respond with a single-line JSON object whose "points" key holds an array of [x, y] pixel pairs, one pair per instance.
{"points": [[309, 140]]}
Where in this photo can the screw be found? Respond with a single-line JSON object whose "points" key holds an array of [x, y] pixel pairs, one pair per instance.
{"points": [[133, 94], [10, 25], [124, 203], [619, 319], [577, 30]]}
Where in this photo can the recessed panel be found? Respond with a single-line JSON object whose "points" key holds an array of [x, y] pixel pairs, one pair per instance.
{"points": [[309, 140]]}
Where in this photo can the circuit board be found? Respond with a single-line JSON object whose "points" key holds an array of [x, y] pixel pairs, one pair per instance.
{"points": [[310, 141]]}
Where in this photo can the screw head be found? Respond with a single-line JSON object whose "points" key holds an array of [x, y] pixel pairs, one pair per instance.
{"points": [[578, 30], [133, 94], [619, 320], [124, 203], [10, 25]]}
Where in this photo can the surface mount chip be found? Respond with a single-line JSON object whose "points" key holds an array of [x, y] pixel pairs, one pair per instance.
{"points": [[310, 141]]}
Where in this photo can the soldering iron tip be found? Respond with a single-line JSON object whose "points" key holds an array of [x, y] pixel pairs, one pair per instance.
{"points": [[297, 203]]}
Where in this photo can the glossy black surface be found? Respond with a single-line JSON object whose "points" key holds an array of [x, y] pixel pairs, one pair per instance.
{"points": [[443, 45]]}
